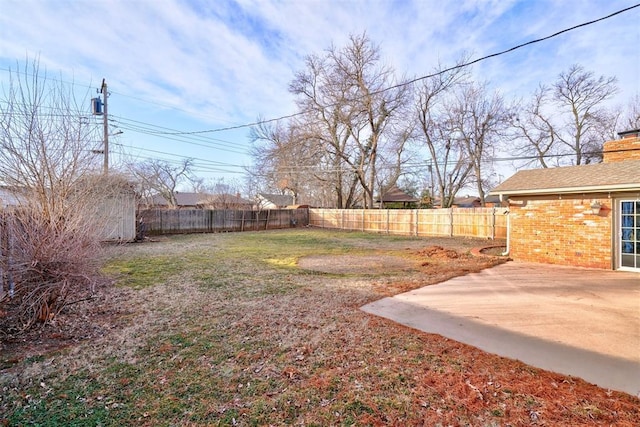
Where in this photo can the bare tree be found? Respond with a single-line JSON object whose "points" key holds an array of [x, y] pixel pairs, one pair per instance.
{"points": [[580, 96], [568, 119], [45, 140], [51, 243], [349, 101], [480, 119], [449, 166], [630, 117], [325, 126], [160, 177], [371, 91], [535, 135], [284, 159]]}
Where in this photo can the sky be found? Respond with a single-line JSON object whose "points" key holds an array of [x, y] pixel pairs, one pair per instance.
{"points": [[197, 65]]}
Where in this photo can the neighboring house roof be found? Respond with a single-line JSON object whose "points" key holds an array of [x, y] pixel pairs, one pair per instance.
{"points": [[470, 201], [492, 199], [617, 176], [183, 199], [394, 194], [280, 200], [203, 199], [225, 198], [467, 202]]}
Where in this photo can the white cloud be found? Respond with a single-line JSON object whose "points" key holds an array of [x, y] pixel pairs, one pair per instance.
{"points": [[232, 61]]}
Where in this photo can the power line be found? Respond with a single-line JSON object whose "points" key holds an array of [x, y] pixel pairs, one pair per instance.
{"points": [[85, 118], [213, 166], [417, 79], [160, 131], [172, 107], [179, 139]]}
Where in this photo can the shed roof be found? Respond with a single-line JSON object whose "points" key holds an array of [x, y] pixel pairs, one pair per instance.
{"points": [[618, 176]]}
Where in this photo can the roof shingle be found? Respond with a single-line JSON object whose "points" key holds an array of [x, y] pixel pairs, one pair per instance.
{"points": [[394, 194], [618, 176]]}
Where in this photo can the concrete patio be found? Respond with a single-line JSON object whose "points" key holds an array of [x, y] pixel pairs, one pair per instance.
{"points": [[575, 321]]}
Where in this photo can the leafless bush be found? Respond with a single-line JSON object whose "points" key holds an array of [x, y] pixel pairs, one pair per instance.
{"points": [[48, 263], [59, 202], [53, 260]]}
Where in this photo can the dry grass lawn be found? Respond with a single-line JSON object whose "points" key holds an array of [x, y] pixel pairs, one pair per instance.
{"points": [[264, 328]]}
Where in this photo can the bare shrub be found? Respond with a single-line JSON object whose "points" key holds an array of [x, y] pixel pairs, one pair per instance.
{"points": [[48, 263], [53, 260], [59, 204]]}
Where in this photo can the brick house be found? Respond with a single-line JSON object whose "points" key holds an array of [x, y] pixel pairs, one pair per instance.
{"points": [[587, 215]]}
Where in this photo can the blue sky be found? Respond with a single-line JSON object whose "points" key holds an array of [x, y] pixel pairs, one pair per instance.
{"points": [[199, 65]]}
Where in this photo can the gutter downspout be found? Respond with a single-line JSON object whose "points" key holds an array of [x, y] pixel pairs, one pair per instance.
{"points": [[506, 252]]}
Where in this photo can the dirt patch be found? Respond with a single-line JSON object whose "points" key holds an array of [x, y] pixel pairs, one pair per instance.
{"points": [[354, 264], [433, 264], [438, 252], [428, 258]]}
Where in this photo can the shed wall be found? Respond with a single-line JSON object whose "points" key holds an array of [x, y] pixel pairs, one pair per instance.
{"points": [[117, 217]]}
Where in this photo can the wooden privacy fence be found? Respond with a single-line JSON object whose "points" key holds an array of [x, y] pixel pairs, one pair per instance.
{"points": [[455, 222], [166, 221]]}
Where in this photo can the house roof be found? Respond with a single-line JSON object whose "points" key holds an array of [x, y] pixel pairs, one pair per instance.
{"points": [[195, 199], [227, 198], [394, 194], [468, 201], [183, 199], [277, 199], [618, 176]]}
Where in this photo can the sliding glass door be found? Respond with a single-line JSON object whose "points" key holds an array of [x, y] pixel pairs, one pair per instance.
{"points": [[629, 242]]}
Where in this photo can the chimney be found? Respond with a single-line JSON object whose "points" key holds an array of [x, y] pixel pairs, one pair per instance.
{"points": [[625, 148]]}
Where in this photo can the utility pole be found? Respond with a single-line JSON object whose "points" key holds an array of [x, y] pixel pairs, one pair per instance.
{"points": [[105, 125]]}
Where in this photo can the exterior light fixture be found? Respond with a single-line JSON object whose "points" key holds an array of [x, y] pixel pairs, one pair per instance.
{"points": [[595, 207]]}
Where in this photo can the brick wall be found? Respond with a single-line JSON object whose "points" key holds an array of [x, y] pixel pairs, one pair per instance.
{"points": [[620, 150], [561, 231]]}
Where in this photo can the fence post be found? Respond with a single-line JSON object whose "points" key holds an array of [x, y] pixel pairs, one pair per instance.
{"points": [[450, 222], [388, 231]]}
